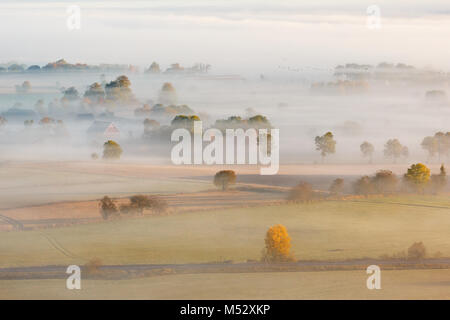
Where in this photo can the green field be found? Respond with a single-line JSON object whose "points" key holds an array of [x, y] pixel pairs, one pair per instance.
{"points": [[330, 230], [405, 284]]}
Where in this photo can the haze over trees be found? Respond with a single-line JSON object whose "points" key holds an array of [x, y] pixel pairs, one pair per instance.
{"points": [[111, 150], [363, 186], [325, 144], [393, 149], [154, 68], [385, 182], [303, 192], [168, 94], [367, 150], [119, 91], [439, 181], [24, 88], [95, 93], [439, 145], [223, 179], [337, 186]]}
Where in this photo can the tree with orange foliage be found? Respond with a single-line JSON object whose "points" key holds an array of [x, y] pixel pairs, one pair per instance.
{"points": [[278, 245]]}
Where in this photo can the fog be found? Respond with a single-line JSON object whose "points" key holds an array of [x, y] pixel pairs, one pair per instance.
{"points": [[266, 58], [380, 112]]}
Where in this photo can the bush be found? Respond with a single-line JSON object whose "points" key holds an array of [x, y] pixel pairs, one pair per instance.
{"points": [[223, 179], [337, 186], [302, 192], [363, 186], [139, 203], [385, 182], [417, 251], [108, 208], [278, 245], [92, 266]]}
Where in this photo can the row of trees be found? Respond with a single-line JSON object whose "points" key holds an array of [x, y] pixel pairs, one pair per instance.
{"points": [[439, 144], [418, 178]]}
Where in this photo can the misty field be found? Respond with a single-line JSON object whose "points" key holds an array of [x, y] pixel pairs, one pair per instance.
{"points": [[329, 230], [404, 284]]}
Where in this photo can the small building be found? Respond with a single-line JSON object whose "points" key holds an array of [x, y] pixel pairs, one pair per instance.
{"points": [[104, 130]]}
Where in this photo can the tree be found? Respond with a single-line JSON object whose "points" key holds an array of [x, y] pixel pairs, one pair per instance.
{"points": [[111, 150], [258, 122], [150, 125], [438, 144], [439, 181], [302, 192], [223, 179], [385, 181], [417, 176], [325, 144], [108, 208], [154, 68], [394, 149], [278, 245], [363, 186], [367, 150], [71, 94], [183, 121], [95, 93], [431, 145], [119, 91], [417, 251], [168, 94], [337, 186]]}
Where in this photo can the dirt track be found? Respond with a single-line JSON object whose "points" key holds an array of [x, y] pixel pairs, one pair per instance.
{"points": [[142, 270]]}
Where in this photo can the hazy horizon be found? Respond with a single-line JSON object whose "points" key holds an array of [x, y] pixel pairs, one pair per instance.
{"points": [[234, 37]]}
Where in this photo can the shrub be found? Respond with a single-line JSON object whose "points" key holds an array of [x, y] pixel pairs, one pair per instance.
{"points": [[439, 181], [363, 186], [139, 203], [108, 208], [417, 251], [337, 186], [224, 179], [302, 192], [92, 266], [278, 245], [385, 181]]}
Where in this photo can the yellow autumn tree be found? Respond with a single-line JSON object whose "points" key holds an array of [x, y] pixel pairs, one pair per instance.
{"points": [[278, 245], [417, 177]]}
